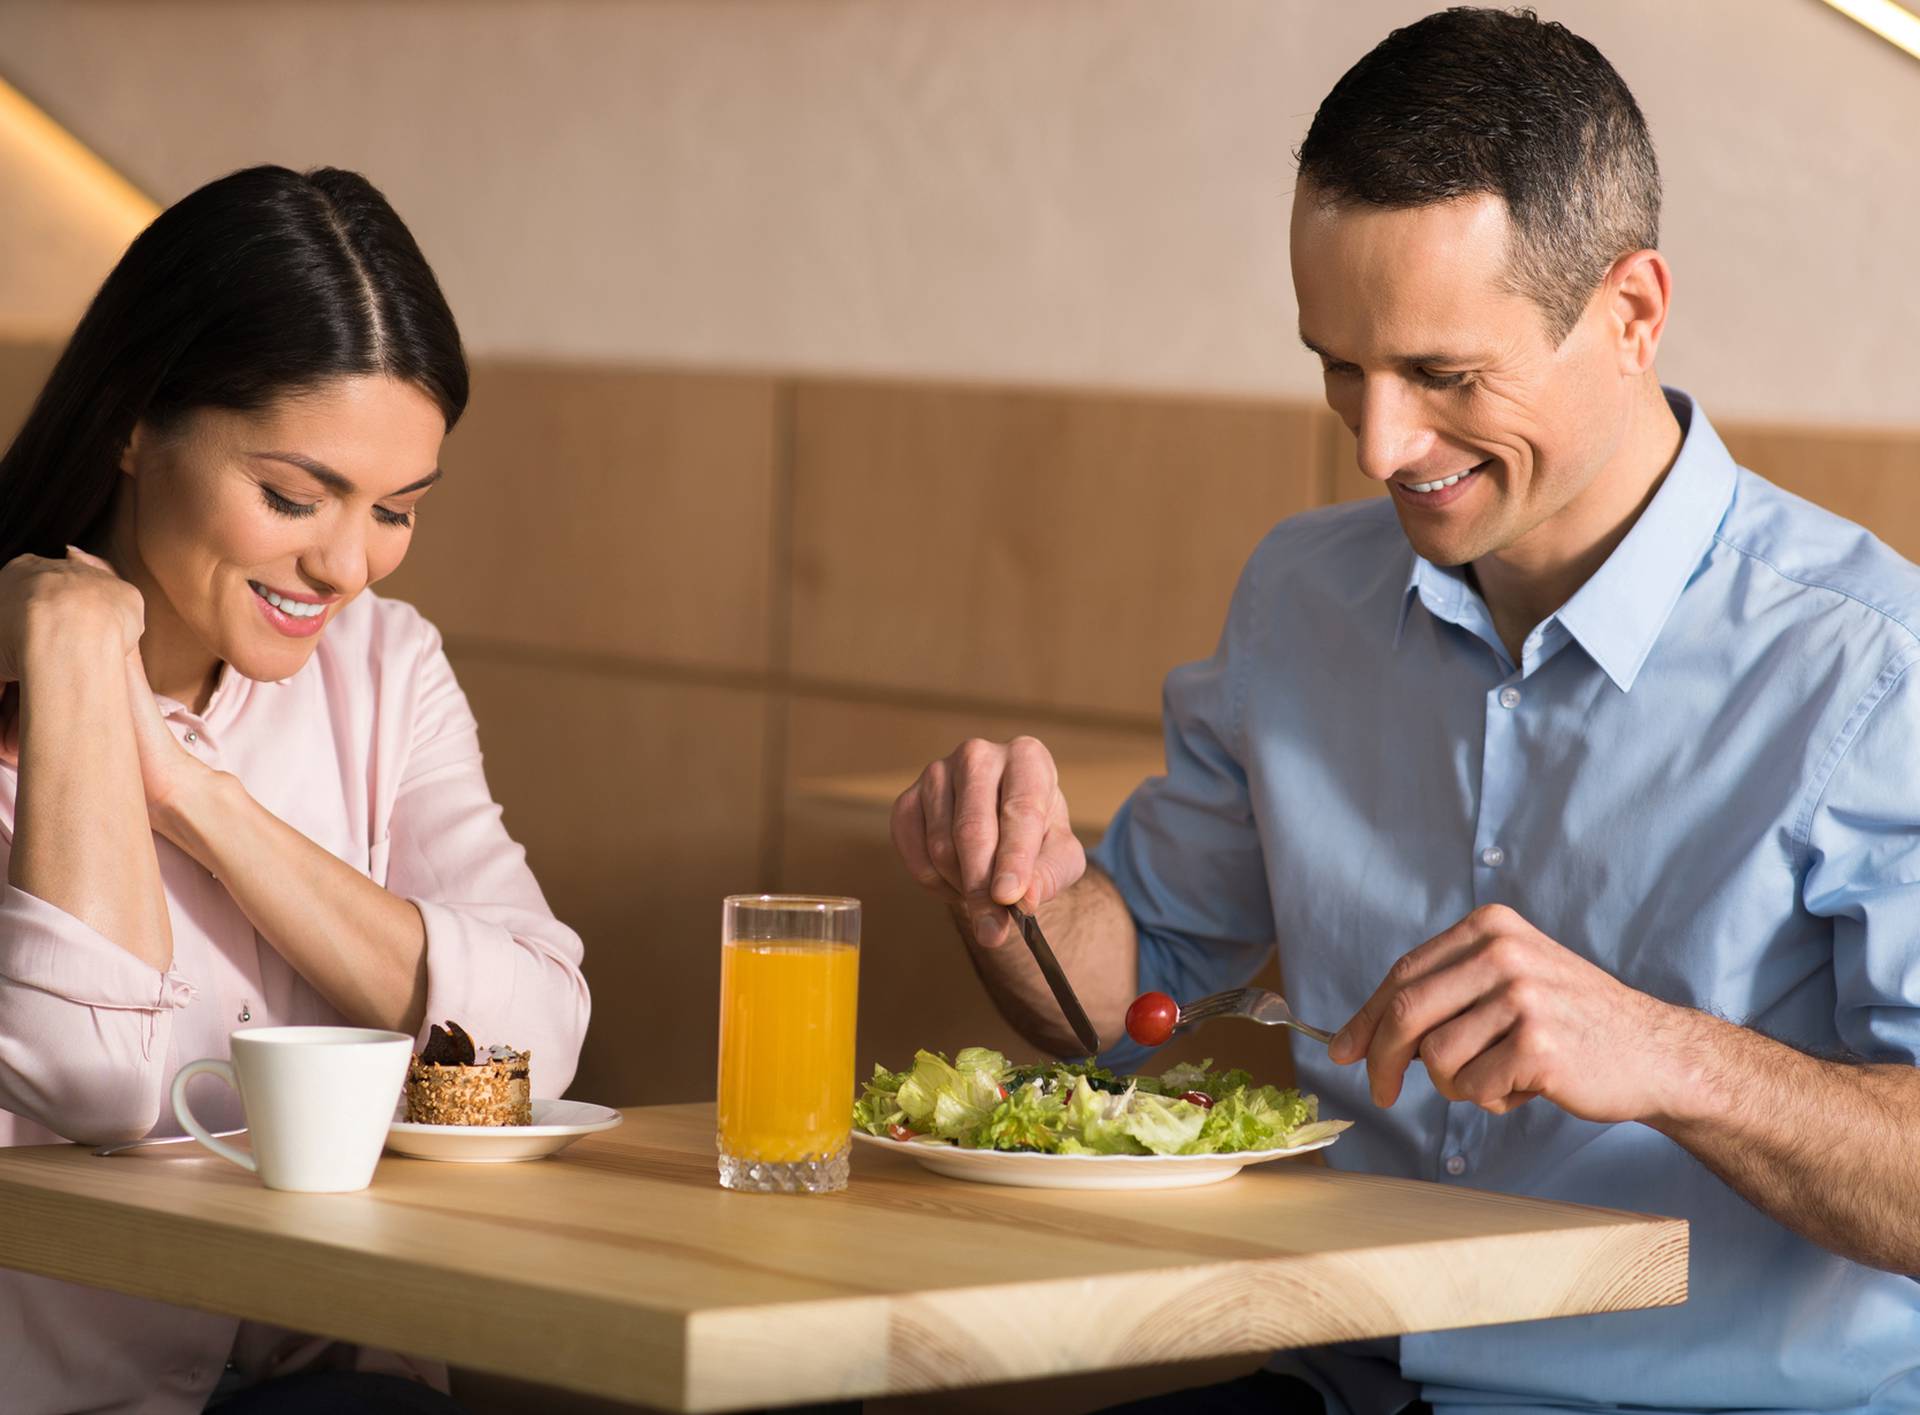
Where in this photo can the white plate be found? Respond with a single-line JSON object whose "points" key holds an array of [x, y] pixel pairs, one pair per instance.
{"points": [[1084, 1171], [556, 1124]]}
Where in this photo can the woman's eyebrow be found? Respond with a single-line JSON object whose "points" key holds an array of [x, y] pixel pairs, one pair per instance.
{"points": [[332, 480]]}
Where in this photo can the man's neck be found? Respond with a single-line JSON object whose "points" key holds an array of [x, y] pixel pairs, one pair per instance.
{"points": [[1528, 581]]}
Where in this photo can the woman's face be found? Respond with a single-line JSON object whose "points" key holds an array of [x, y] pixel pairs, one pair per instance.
{"points": [[249, 531]]}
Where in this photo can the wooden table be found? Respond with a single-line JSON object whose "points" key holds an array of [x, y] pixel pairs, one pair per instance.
{"points": [[621, 1268]]}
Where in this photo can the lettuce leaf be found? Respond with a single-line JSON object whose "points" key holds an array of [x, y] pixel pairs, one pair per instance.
{"points": [[879, 1105], [1030, 1119], [941, 1099]]}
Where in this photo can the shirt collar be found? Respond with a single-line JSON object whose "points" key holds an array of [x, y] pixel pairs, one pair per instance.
{"points": [[1617, 615]]}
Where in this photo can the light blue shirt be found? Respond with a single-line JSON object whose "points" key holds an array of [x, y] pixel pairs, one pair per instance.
{"points": [[1703, 775]]}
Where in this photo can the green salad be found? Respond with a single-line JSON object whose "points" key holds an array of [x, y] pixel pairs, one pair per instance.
{"points": [[980, 1101]]}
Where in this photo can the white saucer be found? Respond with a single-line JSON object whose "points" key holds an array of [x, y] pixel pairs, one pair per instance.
{"points": [[556, 1124]]}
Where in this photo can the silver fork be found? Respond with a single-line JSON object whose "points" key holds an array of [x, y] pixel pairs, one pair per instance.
{"points": [[1255, 1004]]}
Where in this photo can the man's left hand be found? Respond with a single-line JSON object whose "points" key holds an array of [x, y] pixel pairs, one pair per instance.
{"points": [[1500, 1013]]}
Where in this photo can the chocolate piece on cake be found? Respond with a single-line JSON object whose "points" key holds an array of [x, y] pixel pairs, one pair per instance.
{"points": [[451, 1083]]}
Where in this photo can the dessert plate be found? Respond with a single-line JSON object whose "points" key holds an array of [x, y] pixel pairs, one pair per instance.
{"points": [[556, 1124]]}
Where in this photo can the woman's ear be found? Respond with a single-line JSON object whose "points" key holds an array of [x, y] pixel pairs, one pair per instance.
{"points": [[130, 454]]}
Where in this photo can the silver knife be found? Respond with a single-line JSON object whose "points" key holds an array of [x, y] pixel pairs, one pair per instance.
{"points": [[1050, 969]]}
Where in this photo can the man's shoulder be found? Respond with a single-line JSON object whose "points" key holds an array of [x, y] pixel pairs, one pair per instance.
{"points": [[1330, 536], [1807, 549], [1341, 554]]}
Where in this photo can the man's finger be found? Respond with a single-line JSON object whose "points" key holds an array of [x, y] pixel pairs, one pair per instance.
{"points": [[1063, 859], [936, 816], [1027, 793], [1355, 1039], [1494, 1079], [908, 826], [1415, 1009], [1451, 1046], [976, 816]]}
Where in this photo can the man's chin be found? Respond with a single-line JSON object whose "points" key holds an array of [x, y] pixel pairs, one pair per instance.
{"points": [[1449, 550]]}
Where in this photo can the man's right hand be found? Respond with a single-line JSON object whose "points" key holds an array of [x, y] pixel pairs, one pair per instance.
{"points": [[985, 827]]}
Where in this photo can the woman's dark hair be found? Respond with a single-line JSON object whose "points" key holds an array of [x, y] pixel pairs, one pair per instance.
{"points": [[1471, 101], [263, 283]]}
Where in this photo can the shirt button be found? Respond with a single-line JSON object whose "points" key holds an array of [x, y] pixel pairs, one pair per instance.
{"points": [[1456, 1165], [193, 737], [1493, 857], [1509, 697]]}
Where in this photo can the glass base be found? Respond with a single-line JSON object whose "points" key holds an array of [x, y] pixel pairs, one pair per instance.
{"points": [[822, 1175]]}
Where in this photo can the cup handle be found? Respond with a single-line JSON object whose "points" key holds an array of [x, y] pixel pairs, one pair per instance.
{"points": [[224, 1070]]}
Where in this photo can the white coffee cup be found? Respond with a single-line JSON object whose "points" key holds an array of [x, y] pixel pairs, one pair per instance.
{"points": [[318, 1102]]}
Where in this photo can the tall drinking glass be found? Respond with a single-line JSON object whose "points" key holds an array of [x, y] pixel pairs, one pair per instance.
{"points": [[789, 972]]}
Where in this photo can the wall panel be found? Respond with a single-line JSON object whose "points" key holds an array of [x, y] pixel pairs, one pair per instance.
{"points": [[640, 807], [1058, 550], [622, 512]]}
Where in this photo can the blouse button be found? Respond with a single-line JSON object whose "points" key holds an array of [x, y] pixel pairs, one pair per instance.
{"points": [[193, 737]]}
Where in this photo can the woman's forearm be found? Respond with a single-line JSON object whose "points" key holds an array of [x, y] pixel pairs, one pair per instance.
{"points": [[361, 947], [82, 841]]}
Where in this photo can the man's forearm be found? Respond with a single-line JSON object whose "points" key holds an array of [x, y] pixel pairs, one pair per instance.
{"points": [[1092, 935], [1828, 1149]]}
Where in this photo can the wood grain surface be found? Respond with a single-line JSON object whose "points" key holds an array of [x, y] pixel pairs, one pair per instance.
{"points": [[620, 1268]]}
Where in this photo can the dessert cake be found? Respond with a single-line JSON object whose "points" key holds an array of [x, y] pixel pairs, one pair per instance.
{"points": [[451, 1083]]}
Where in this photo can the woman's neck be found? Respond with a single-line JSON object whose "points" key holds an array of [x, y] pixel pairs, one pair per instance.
{"points": [[178, 665]]}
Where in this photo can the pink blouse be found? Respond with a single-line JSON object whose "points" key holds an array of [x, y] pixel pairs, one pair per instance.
{"points": [[370, 751]]}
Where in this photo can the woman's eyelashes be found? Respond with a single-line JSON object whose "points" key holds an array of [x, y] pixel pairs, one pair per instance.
{"points": [[287, 506]]}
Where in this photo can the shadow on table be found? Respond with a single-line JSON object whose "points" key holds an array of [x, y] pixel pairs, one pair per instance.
{"points": [[484, 1394]]}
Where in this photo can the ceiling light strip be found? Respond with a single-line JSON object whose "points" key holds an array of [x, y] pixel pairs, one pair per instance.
{"points": [[1896, 24], [24, 122]]}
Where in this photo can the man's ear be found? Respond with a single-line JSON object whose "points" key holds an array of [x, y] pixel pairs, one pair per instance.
{"points": [[1639, 293]]}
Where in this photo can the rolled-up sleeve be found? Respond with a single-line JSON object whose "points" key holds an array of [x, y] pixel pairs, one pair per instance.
{"points": [[1863, 854], [84, 1025], [498, 962], [1184, 850]]}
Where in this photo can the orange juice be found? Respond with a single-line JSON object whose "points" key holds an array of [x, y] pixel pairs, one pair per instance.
{"points": [[786, 1048]]}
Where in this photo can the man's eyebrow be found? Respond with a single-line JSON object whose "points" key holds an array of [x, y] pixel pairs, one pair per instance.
{"points": [[1408, 360], [333, 481]]}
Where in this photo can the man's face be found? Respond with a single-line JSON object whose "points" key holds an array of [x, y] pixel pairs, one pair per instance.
{"points": [[1484, 432]]}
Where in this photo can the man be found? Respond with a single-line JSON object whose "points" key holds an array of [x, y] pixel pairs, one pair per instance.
{"points": [[1626, 734]]}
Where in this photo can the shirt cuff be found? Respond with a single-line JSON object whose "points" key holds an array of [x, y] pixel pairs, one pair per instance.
{"points": [[44, 947], [465, 980]]}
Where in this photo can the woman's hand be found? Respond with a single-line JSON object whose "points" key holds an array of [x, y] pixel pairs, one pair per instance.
{"points": [[168, 771], [46, 601]]}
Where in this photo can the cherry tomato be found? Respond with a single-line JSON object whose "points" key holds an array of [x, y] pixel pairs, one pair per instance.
{"points": [[1151, 1019], [1003, 1092], [1199, 1098], [900, 1132]]}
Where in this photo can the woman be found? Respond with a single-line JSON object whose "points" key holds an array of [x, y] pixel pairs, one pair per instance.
{"points": [[236, 788]]}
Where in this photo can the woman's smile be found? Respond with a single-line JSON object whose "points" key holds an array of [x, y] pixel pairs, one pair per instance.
{"points": [[296, 616]]}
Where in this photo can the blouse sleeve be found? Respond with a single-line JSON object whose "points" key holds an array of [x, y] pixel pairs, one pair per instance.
{"points": [[84, 1025], [498, 962]]}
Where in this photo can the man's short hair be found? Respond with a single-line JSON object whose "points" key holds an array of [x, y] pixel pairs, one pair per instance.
{"points": [[1475, 101]]}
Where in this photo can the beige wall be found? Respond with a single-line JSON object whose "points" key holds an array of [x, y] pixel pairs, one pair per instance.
{"points": [[1068, 191]]}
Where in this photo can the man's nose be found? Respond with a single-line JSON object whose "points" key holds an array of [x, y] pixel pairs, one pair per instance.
{"points": [[1393, 431]]}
